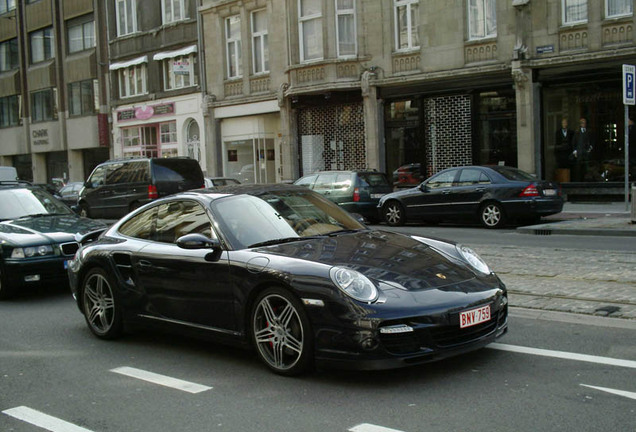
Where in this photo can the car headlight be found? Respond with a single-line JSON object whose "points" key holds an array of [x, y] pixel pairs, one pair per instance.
{"points": [[475, 261], [32, 251], [354, 284]]}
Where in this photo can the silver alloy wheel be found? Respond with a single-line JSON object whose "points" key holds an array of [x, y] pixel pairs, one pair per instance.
{"points": [[491, 215], [99, 304], [278, 332], [393, 214]]}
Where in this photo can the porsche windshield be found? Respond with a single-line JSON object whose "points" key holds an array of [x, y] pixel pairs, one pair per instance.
{"points": [[279, 216], [25, 202]]}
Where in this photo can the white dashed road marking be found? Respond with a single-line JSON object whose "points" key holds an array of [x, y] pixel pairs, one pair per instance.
{"points": [[366, 427], [161, 380], [624, 393], [42, 420], [564, 355]]}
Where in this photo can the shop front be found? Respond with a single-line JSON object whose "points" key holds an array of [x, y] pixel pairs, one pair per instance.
{"points": [[167, 128]]}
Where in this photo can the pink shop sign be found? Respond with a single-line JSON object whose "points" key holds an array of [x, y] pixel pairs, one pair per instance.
{"points": [[145, 112]]}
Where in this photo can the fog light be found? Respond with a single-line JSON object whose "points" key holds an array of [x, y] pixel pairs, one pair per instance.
{"points": [[400, 328], [32, 278]]}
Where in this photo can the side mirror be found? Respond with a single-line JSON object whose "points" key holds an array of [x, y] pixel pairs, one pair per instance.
{"points": [[360, 218], [423, 187], [76, 209], [88, 185], [197, 241]]}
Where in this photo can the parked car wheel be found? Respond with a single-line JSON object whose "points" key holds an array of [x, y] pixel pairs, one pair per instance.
{"points": [[100, 306], [393, 213], [281, 332], [492, 215], [6, 291]]}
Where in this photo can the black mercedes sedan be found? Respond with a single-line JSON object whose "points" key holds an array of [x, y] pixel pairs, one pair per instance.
{"points": [[492, 195], [287, 272], [38, 235]]}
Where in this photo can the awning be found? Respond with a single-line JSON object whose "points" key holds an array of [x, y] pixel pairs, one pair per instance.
{"points": [[129, 63], [177, 53]]}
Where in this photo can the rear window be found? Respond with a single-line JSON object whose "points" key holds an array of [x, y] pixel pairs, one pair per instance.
{"points": [[127, 172], [513, 174], [177, 170], [374, 179]]}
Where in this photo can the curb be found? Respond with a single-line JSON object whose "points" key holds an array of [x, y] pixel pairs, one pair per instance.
{"points": [[589, 227]]}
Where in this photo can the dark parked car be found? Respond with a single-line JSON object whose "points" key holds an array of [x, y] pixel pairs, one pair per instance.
{"points": [[118, 186], [282, 269], [408, 175], [355, 191], [39, 235], [69, 193], [489, 194]]}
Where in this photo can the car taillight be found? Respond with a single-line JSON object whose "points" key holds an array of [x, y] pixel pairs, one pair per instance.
{"points": [[530, 191], [152, 192], [356, 195]]}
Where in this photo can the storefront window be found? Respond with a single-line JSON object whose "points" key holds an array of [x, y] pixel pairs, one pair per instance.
{"points": [[583, 139], [250, 160], [496, 140], [405, 151]]}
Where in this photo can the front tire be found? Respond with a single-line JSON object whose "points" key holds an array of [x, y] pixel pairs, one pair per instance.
{"points": [[281, 332], [100, 305], [85, 211], [491, 215], [393, 213]]}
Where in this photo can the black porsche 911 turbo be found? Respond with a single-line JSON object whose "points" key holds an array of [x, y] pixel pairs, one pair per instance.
{"points": [[38, 236], [282, 269]]}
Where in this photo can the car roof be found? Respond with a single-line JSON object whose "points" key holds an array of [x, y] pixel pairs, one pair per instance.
{"points": [[239, 189]]}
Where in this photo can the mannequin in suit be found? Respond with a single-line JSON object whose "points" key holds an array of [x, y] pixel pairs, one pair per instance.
{"points": [[563, 144], [583, 146]]}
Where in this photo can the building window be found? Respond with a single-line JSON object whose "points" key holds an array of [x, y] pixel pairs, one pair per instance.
{"points": [[81, 36], [574, 11], [9, 55], [140, 141], [82, 100], [132, 81], [173, 10], [180, 72], [406, 24], [233, 41], [346, 27], [168, 138], [43, 105], [6, 6], [618, 8], [42, 46], [9, 111], [310, 29], [126, 17], [482, 18], [260, 50]]}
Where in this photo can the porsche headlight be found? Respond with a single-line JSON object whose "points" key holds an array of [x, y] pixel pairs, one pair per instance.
{"points": [[354, 284], [32, 251], [475, 261]]}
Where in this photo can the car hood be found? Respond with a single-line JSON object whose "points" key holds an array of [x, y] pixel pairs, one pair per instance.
{"points": [[47, 229], [392, 258]]}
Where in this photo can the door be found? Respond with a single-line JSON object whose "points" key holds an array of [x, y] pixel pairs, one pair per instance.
{"points": [[180, 284], [432, 199], [467, 194], [94, 192]]}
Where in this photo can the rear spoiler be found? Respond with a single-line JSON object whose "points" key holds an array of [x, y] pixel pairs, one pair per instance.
{"points": [[90, 236]]}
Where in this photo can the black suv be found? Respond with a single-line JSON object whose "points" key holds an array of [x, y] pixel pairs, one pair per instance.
{"points": [[39, 235], [119, 186], [355, 191]]}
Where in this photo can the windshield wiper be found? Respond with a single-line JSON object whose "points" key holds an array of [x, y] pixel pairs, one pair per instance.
{"points": [[39, 215], [281, 240], [343, 231]]}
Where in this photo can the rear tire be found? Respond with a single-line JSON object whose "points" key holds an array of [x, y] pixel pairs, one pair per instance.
{"points": [[393, 213], [491, 215]]}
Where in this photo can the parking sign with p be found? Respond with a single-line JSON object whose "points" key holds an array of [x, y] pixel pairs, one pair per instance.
{"points": [[628, 84]]}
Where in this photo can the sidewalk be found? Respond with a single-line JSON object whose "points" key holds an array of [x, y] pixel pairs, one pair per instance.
{"points": [[604, 219]]}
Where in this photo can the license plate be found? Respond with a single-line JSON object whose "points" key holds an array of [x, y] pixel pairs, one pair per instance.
{"points": [[377, 196], [474, 316], [549, 192]]}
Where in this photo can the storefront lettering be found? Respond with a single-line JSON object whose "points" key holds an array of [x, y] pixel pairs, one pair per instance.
{"points": [[40, 136], [145, 112]]}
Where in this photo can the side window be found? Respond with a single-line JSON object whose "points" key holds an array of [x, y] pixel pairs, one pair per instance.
{"points": [[115, 173], [140, 226], [97, 178], [178, 218], [442, 180], [469, 177], [343, 181], [307, 181], [324, 182]]}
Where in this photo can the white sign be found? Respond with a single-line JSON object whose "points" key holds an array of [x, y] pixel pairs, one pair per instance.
{"points": [[629, 72], [181, 67]]}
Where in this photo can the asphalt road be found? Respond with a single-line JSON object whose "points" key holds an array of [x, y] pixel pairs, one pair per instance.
{"points": [[50, 363]]}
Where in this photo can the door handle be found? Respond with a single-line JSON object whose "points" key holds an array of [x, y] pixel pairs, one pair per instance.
{"points": [[145, 265], [445, 191], [480, 189]]}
